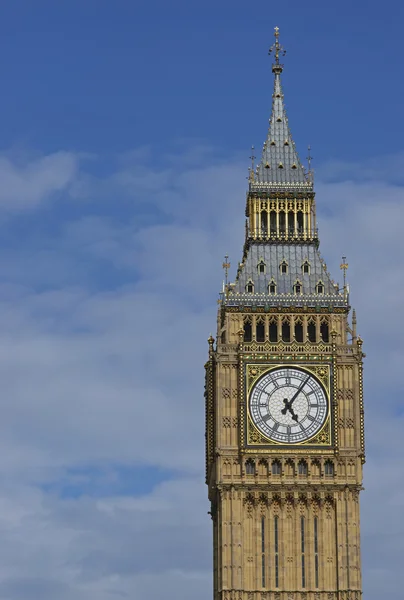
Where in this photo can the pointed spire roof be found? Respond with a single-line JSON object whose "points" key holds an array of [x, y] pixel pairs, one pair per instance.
{"points": [[280, 166]]}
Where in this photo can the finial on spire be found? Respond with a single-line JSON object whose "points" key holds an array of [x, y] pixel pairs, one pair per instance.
{"points": [[251, 169], [226, 267], [344, 267], [309, 159], [277, 49]]}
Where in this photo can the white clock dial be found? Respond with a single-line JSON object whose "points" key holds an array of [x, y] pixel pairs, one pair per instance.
{"points": [[288, 405]]}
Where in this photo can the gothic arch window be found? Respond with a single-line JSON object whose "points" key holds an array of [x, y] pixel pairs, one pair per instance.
{"points": [[290, 468], [315, 468], [286, 330], [276, 467], [283, 267], [298, 288], [249, 288], [247, 331], [302, 467], [263, 467], [298, 330], [320, 288], [306, 268], [324, 331], [272, 287], [272, 221], [329, 468], [260, 331], [282, 218], [273, 330], [250, 467], [311, 330], [264, 221], [261, 267], [291, 222], [300, 221]]}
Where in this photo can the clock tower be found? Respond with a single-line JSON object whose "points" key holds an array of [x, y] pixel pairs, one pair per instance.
{"points": [[284, 401]]}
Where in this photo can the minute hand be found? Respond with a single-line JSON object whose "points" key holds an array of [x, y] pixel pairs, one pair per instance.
{"points": [[298, 391]]}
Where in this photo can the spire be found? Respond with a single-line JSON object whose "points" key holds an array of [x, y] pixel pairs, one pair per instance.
{"points": [[280, 166]]}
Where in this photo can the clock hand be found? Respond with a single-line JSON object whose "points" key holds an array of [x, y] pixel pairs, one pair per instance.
{"points": [[298, 391], [287, 406], [290, 409]]}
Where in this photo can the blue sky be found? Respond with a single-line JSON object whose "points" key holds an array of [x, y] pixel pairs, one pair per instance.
{"points": [[126, 131]]}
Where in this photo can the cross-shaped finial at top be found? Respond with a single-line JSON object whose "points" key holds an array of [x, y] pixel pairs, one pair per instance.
{"points": [[277, 49]]}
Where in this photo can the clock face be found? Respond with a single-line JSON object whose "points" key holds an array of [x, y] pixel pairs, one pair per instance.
{"points": [[288, 405]]}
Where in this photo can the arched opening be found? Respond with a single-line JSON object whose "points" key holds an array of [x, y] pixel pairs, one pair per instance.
{"points": [[250, 467], [298, 331], [300, 221], [282, 221], [272, 287], [302, 467], [276, 467], [247, 331], [272, 221], [249, 288], [311, 331], [260, 332], [286, 331], [291, 223], [329, 468], [325, 334], [264, 222], [273, 331]]}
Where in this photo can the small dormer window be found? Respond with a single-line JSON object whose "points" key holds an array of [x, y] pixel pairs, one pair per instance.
{"points": [[297, 288], [320, 288], [249, 288], [267, 166], [273, 143], [283, 267], [272, 287], [261, 267], [294, 166], [279, 120], [286, 143], [280, 165], [306, 268]]}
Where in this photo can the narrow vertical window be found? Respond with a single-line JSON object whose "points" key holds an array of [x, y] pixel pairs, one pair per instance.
{"points": [[311, 331], [273, 332], [247, 332], [316, 550], [263, 551], [285, 331], [260, 332], [298, 332], [303, 550], [276, 535], [324, 332]]}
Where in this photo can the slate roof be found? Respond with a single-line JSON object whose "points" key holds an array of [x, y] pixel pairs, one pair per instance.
{"points": [[280, 164], [295, 256]]}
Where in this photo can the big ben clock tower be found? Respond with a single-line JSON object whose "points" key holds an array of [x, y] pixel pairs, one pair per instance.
{"points": [[284, 405]]}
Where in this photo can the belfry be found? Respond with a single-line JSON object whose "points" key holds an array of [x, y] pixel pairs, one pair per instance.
{"points": [[284, 398]]}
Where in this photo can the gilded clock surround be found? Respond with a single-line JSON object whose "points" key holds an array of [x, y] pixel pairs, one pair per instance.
{"points": [[252, 438], [286, 520]]}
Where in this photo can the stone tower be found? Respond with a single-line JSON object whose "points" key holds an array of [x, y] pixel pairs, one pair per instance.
{"points": [[284, 403]]}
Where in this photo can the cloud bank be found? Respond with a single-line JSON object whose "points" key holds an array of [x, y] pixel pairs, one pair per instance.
{"points": [[108, 294]]}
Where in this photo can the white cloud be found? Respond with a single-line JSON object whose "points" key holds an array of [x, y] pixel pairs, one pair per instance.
{"points": [[25, 186], [102, 343]]}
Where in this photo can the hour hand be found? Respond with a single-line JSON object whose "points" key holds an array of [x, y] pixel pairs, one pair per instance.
{"points": [[294, 415], [287, 406]]}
